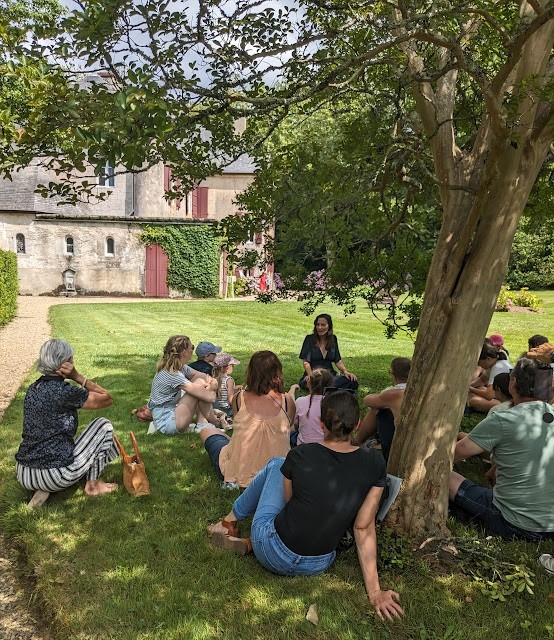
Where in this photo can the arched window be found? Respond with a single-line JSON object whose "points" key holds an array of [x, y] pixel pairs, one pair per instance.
{"points": [[69, 245], [20, 243], [110, 247]]}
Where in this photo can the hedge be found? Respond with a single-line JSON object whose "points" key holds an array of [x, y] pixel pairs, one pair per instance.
{"points": [[9, 286]]}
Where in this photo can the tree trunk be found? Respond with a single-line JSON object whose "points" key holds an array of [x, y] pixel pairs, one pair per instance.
{"points": [[459, 302]]}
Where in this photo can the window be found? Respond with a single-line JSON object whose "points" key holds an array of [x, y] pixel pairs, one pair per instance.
{"points": [[20, 243], [110, 247], [200, 203], [107, 179], [69, 246]]}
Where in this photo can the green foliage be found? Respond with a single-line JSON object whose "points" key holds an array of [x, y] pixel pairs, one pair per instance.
{"points": [[532, 258], [522, 298], [497, 577], [9, 286], [193, 253]]}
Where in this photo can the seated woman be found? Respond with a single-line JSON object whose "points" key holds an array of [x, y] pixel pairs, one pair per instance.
{"points": [[481, 393], [303, 504], [179, 392], [49, 459], [320, 350], [263, 416]]}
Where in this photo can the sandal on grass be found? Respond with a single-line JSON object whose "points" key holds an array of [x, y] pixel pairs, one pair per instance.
{"points": [[224, 535]]}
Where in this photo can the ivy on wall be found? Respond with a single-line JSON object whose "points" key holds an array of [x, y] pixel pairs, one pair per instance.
{"points": [[9, 286], [193, 253]]}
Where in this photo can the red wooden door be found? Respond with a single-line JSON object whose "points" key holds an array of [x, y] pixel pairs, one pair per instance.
{"points": [[155, 272]]}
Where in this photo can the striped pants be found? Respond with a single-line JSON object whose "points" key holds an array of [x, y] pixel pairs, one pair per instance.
{"points": [[94, 448]]}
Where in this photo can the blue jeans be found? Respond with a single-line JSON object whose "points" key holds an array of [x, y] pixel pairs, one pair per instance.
{"points": [[477, 501], [265, 499]]}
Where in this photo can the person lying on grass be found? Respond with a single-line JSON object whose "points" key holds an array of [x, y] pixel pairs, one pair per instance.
{"points": [[303, 504], [262, 418], [173, 411], [49, 459]]}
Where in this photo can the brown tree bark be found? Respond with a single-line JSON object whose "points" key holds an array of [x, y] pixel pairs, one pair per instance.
{"points": [[481, 213]]}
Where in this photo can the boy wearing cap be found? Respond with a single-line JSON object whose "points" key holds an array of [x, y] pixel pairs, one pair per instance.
{"points": [[206, 353]]}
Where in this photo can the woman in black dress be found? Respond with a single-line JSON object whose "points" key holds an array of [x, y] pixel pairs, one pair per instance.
{"points": [[320, 350]]}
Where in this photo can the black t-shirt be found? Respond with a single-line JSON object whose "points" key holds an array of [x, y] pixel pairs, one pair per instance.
{"points": [[202, 366], [312, 353], [50, 423], [328, 490]]}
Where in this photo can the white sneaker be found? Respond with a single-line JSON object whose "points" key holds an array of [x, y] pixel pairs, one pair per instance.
{"points": [[151, 429], [547, 562], [202, 425]]}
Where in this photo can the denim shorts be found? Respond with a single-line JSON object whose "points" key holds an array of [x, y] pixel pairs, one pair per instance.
{"points": [[164, 420], [213, 446], [477, 501]]}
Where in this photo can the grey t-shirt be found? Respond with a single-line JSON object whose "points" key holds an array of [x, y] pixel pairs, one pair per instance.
{"points": [[522, 443]]}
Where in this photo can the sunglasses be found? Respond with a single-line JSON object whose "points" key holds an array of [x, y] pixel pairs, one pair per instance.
{"points": [[329, 390]]}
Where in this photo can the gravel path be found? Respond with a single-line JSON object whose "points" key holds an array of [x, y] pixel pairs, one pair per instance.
{"points": [[20, 342]]}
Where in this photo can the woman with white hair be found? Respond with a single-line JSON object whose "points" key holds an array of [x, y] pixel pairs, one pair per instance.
{"points": [[49, 458]]}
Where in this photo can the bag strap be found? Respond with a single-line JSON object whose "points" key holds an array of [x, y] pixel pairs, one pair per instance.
{"points": [[125, 457], [135, 446]]}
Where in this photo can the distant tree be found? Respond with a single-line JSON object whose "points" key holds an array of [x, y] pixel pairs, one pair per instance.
{"points": [[472, 88]]}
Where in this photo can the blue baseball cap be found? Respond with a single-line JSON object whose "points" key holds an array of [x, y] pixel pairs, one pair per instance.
{"points": [[205, 348]]}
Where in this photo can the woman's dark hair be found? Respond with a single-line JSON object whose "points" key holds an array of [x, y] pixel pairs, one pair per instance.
{"points": [[264, 373], [317, 381], [488, 352], [340, 413], [329, 335], [502, 382], [536, 341], [524, 377]]}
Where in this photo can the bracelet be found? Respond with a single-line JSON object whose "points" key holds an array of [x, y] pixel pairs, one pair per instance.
{"points": [[85, 380]]}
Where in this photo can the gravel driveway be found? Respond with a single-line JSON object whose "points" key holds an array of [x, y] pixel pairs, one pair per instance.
{"points": [[20, 342]]}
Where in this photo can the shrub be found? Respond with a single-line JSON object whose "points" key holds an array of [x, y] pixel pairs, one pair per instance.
{"points": [[9, 286], [531, 260], [522, 298]]}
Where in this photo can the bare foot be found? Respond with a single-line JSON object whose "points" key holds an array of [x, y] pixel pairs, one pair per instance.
{"points": [[38, 499], [99, 487]]}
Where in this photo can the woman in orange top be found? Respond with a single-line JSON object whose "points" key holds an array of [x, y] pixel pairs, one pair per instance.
{"points": [[263, 415]]}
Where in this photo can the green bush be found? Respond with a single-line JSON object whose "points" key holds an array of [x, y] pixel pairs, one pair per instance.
{"points": [[193, 253], [531, 260], [9, 286], [521, 298]]}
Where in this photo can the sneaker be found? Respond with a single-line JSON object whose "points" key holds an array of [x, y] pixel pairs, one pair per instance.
{"points": [[151, 429], [230, 485], [191, 427], [202, 425], [547, 562]]}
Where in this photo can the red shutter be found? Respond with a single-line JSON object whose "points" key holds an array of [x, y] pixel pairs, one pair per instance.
{"points": [[167, 178], [200, 203], [258, 238]]}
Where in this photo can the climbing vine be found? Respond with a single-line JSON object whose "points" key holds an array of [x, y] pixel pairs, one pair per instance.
{"points": [[193, 253]]}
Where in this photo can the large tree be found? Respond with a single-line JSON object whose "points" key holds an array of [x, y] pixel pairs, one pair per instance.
{"points": [[471, 84]]}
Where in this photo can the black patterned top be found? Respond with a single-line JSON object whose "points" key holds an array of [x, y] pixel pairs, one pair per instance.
{"points": [[50, 423]]}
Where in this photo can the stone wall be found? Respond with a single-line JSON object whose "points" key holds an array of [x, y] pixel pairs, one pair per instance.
{"points": [[41, 266]]}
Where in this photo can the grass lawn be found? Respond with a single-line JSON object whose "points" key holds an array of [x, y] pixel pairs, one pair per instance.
{"points": [[124, 568]]}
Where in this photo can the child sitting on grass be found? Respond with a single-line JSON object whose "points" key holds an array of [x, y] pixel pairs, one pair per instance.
{"points": [[172, 410], [308, 408], [223, 369]]}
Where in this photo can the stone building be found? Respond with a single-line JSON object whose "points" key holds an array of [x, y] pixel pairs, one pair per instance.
{"points": [[93, 248]]}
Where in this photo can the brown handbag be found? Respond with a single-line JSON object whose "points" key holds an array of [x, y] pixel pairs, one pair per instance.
{"points": [[135, 479]]}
